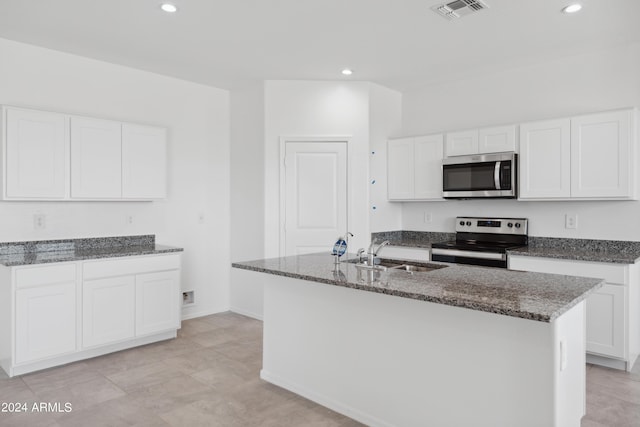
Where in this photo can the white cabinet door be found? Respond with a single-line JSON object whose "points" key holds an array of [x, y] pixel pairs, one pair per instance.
{"points": [[428, 153], [545, 161], [602, 155], [45, 321], [108, 310], [157, 302], [96, 158], [461, 143], [36, 154], [400, 169], [605, 321], [497, 139], [144, 162]]}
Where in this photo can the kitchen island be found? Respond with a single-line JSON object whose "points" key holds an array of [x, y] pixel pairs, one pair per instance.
{"points": [[454, 346]]}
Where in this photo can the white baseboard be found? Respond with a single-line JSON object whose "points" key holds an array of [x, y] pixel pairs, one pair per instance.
{"points": [[194, 314], [246, 313], [607, 362], [324, 401]]}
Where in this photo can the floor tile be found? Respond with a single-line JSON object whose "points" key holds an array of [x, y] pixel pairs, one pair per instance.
{"points": [[210, 376]]}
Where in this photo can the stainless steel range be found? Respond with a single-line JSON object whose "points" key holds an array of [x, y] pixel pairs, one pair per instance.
{"points": [[482, 241]]}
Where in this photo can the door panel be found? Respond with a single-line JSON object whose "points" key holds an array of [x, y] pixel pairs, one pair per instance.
{"points": [[96, 158], [316, 195], [36, 154]]}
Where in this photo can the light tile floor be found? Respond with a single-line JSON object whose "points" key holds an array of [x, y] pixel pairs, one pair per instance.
{"points": [[209, 376]]}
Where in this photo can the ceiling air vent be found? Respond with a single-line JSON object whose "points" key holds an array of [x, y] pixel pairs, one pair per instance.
{"points": [[459, 8]]}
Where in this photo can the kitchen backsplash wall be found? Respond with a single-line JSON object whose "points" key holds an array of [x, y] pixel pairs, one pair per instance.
{"points": [[592, 82], [197, 117]]}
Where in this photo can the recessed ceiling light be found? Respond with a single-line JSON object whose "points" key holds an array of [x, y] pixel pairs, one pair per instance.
{"points": [[572, 8], [347, 72], [169, 8]]}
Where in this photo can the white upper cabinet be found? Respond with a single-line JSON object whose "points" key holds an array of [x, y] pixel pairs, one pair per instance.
{"points": [[583, 158], [497, 139], [52, 156], [144, 162], [35, 154], [462, 143], [414, 169], [400, 169], [603, 155], [428, 154], [96, 158], [545, 156]]}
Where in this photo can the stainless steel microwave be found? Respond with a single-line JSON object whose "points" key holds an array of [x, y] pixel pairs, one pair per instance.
{"points": [[480, 176]]}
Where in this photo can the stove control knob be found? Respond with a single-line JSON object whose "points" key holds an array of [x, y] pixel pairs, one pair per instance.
{"points": [[517, 225], [510, 225], [469, 223], [462, 223]]}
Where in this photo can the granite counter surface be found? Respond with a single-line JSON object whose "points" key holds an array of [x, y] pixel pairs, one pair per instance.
{"points": [[49, 251], [611, 251], [535, 296]]}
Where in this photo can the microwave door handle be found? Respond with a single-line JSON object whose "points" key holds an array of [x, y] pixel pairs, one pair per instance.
{"points": [[496, 176]]}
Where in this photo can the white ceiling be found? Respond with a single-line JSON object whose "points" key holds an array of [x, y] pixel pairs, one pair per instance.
{"points": [[396, 43]]}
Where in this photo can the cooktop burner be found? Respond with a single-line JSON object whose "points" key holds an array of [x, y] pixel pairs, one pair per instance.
{"points": [[482, 241]]}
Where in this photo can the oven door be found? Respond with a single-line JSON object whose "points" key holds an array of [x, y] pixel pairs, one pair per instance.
{"points": [[457, 256], [489, 175]]}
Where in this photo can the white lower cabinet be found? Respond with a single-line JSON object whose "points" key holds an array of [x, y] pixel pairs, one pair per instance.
{"points": [[108, 310], [63, 312], [45, 322], [605, 321], [157, 302], [613, 333]]}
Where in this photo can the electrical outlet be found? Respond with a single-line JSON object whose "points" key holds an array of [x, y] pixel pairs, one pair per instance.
{"points": [[571, 221], [201, 218], [428, 217], [129, 219], [39, 221]]}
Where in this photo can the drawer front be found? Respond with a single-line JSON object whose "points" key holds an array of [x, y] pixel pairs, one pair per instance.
{"points": [[45, 275], [611, 273], [127, 266]]}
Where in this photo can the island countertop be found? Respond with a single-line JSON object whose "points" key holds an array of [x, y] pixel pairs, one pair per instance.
{"points": [[536, 296]]}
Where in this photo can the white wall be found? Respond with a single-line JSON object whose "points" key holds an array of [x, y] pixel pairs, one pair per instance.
{"points": [[385, 115], [574, 85], [198, 121], [247, 194], [317, 108]]}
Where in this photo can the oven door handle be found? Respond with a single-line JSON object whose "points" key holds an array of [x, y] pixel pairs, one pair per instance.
{"points": [[496, 176], [469, 254]]}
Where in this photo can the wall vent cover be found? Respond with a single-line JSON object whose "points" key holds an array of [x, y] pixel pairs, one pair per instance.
{"points": [[459, 8]]}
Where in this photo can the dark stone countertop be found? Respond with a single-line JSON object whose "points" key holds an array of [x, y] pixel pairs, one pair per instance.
{"points": [[415, 239], [611, 251], [49, 251], [535, 296]]}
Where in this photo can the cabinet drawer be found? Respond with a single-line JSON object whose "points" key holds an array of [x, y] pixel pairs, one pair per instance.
{"points": [[132, 265], [611, 273], [51, 274]]}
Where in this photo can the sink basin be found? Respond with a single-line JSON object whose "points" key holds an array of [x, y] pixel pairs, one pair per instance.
{"points": [[389, 264]]}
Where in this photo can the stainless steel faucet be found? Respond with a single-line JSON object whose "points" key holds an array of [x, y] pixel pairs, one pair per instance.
{"points": [[373, 251]]}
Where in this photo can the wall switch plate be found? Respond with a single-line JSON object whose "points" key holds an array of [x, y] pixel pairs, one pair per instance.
{"points": [[39, 221], [571, 221], [428, 217]]}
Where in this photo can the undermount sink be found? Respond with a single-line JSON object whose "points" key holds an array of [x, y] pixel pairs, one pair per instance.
{"points": [[388, 264]]}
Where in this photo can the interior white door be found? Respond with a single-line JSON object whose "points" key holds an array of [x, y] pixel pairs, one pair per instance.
{"points": [[315, 196]]}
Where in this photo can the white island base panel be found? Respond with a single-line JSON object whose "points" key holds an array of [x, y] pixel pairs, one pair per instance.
{"points": [[391, 361]]}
